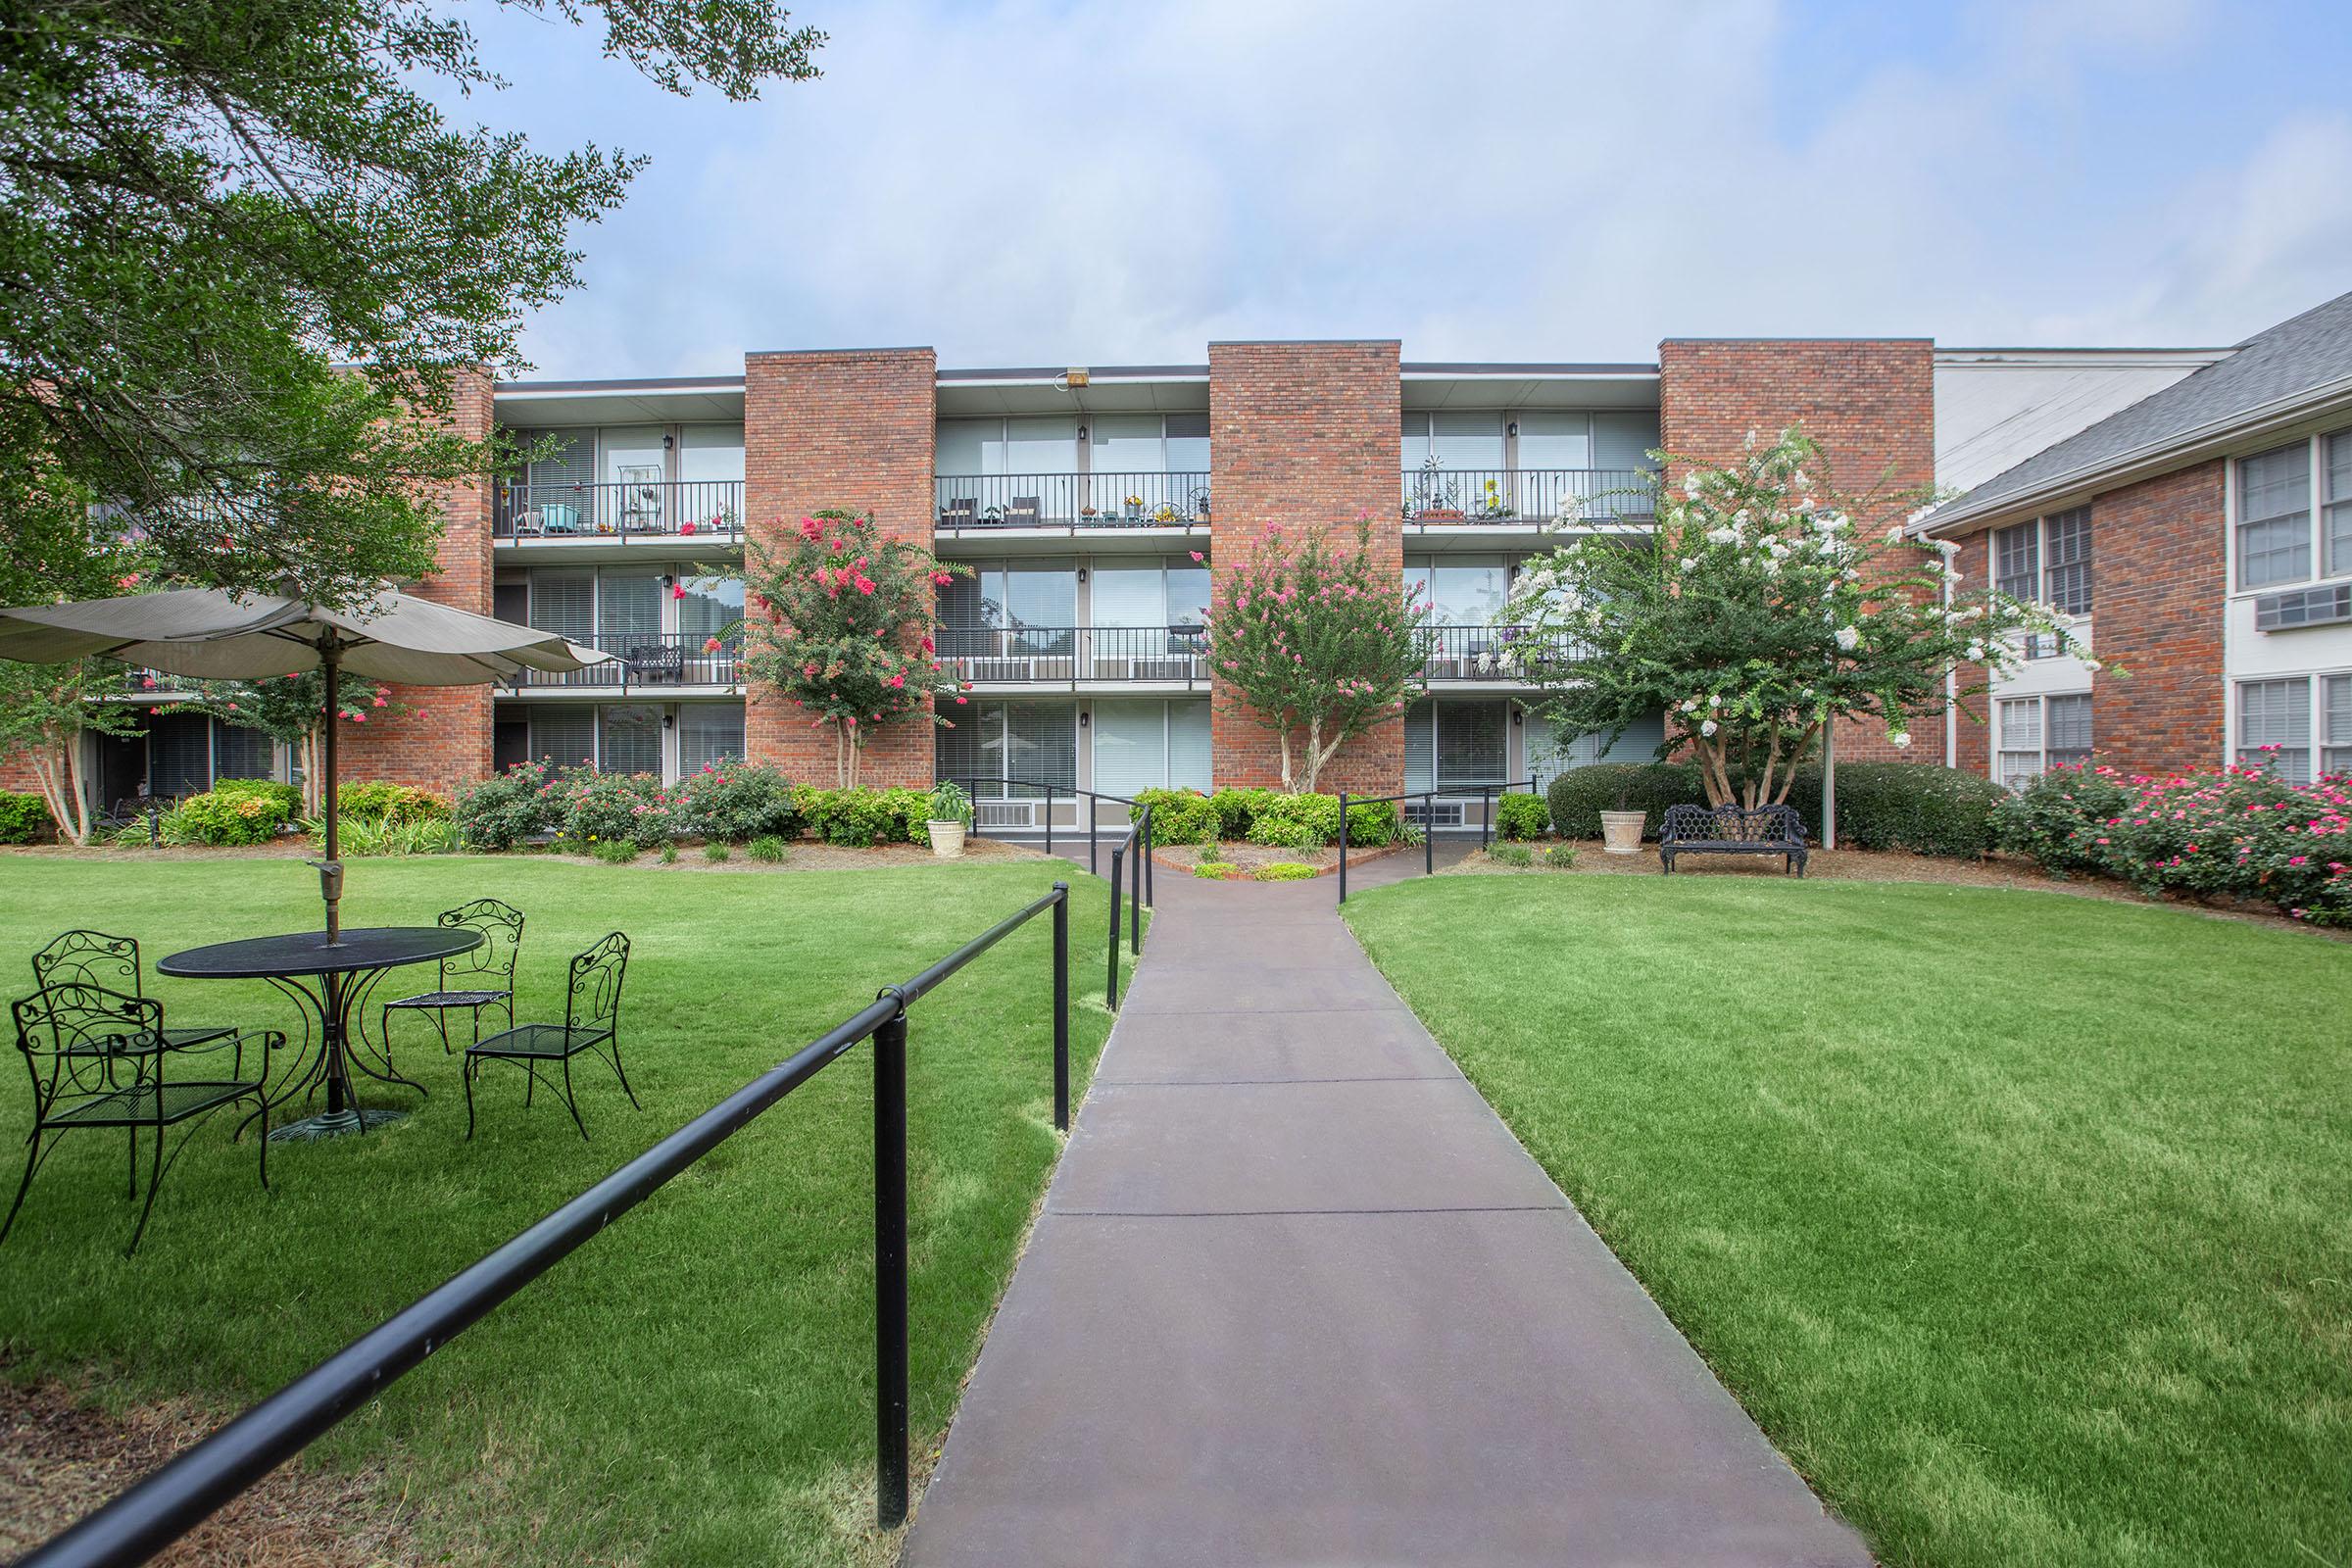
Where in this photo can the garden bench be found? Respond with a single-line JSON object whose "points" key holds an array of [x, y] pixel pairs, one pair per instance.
{"points": [[664, 661], [1733, 830]]}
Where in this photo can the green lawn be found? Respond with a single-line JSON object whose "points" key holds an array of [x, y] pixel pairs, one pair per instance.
{"points": [[696, 1385], [2021, 1223]]}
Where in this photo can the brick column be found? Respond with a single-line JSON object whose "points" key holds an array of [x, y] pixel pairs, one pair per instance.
{"points": [[2160, 582], [1306, 435], [1870, 404], [445, 743], [854, 429]]}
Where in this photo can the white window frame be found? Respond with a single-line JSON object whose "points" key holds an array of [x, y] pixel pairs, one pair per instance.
{"points": [[2316, 698], [2316, 506], [2041, 749], [2041, 526]]}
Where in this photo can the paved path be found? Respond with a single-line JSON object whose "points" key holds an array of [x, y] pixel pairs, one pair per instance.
{"points": [[1298, 1297]]}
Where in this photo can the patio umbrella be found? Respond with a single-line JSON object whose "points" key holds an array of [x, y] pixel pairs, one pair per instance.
{"points": [[215, 635]]}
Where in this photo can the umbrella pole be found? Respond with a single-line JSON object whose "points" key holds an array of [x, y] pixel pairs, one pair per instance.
{"points": [[331, 869]]}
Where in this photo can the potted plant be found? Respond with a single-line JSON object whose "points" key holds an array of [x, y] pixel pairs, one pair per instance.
{"points": [[951, 819], [1135, 509], [1621, 829]]}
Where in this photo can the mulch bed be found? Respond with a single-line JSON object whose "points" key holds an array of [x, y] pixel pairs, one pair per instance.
{"points": [[61, 1455], [1248, 858]]}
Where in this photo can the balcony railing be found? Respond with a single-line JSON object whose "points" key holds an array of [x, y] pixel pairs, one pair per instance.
{"points": [[665, 509], [1072, 501], [1492, 653], [1069, 654], [1435, 497], [648, 662]]}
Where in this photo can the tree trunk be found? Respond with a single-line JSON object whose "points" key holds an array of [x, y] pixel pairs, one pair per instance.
{"points": [[844, 755], [50, 773], [1288, 786]]}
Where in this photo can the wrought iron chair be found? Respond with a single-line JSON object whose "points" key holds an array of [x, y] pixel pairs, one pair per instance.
{"points": [[80, 1040], [489, 967], [591, 1022], [112, 963]]}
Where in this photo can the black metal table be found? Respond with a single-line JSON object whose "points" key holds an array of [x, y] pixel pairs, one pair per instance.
{"points": [[330, 982]]}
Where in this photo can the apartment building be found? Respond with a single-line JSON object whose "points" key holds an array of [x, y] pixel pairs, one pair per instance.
{"points": [[2200, 540], [1095, 506]]}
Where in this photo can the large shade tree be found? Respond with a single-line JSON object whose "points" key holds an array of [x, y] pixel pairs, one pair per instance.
{"points": [[1763, 605], [211, 210]]}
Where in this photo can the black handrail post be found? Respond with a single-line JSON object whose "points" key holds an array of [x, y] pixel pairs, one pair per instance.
{"points": [[1118, 852], [1135, 898], [1062, 1007], [890, 1271], [1486, 814], [1429, 833], [1150, 901], [1049, 819], [1343, 845], [1092, 810]]}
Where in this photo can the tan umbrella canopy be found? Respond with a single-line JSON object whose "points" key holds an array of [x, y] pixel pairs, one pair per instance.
{"points": [[214, 635]]}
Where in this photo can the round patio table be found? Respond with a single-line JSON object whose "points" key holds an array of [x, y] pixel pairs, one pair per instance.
{"points": [[331, 983]]}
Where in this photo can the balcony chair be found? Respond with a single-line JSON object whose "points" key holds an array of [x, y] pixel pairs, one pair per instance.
{"points": [[591, 1022], [656, 662], [81, 1042], [1024, 511], [471, 981], [961, 513], [111, 963]]}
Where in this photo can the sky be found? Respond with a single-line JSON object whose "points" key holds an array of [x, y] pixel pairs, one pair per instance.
{"points": [[1034, 184]]}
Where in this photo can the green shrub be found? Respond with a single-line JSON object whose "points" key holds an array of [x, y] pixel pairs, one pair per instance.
{"points": [[669, 854], [380, 801], [613, 851], [1374, 823], [1236, 809], [860, 818], [504, 811], [24, 818], [1312, 821], [734, 803], [1578, 797], [1920, 807], [1214, 870], [285, 798], [715, 853], [1182, 817], [1509, 854], [769, 849], [1521, 816], [2049, 821], [1286, 870], [950, 803], [225, 819], [1560, 857], [617, 808], [374, 835]]}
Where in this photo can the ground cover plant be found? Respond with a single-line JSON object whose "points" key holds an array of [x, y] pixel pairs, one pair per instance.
{"points": [[2015, 1219], [693, 1387]]}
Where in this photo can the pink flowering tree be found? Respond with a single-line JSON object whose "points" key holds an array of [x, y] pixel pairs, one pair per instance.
{"points": [[838, 619], [1314, 642], [291, 709]]}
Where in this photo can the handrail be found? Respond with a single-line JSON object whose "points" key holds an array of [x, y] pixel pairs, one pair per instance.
{"points": [[1487, 794], [163, 1506], [1138, 870]]}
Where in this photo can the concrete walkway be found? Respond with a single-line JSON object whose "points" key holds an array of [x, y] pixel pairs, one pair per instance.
{"points": [[1298, 1297]]}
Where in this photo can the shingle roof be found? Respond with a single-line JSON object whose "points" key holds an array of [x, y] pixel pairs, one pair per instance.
{"points": [[2302, 355]]}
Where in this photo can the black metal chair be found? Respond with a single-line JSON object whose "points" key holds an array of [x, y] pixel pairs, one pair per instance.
{"points": [[1024, 511], [80, 1040], [501, 926], [112, 963], [961, 512], [591, 1022]]}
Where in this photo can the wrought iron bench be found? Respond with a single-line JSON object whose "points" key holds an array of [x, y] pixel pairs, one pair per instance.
{"points": [[1733, 830], [664, 661]]}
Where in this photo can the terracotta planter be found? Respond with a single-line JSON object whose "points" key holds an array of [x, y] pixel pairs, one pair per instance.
{"points": [[1621, 831], [947, 840]]}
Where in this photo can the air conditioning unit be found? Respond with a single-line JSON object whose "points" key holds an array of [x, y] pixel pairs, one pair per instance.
{"points": [[2304, 606], [1178, 667], [1434, 813], [1004, 814], [978, 670]]}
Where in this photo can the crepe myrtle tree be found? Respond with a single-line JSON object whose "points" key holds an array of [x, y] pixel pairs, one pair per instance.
{"points": [[45, 710], [838, 619], [291, 709], [1762, 605], [1314, 642]]}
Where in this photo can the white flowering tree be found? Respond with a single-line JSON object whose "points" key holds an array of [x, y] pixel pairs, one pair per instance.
{"points": [[1760, 607]]}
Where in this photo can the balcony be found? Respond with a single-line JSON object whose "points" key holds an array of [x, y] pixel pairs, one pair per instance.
{"points": [[646, 664], [1074, 655], [666, 509], [1524, 497], [1072, 501], [1505, 655]]}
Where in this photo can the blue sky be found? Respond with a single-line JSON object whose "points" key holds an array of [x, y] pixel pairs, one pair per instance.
{"points": [[1035, 183]]}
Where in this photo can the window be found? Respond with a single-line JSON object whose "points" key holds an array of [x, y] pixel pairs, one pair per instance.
{"points": [[240, 752], [1010, 609], [2339, 504], [1148, 443], [1034, 743], [710, 452], [709, 734], [1455, 743], [2047, 561], [2066, 725], [2338, 722], [1549, 756], [2035, 734], [2274, 727], [1150, 746], [711, 605], [1456, 438], [630, 739], [2274, 516], [564, 735], [1027, 444], [2020, 759], [1462, 590]]}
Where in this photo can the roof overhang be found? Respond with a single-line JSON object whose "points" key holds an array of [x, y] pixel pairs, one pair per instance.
{"points": [[1530, 387], [659, 400]]}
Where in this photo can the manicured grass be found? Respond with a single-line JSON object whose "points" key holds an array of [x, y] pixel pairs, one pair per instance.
{"points": [[695, 1386], [2019, 1221]]}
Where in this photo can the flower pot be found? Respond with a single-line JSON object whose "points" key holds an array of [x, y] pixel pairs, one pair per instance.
{"points": [[947, 840], [1621, 831]]}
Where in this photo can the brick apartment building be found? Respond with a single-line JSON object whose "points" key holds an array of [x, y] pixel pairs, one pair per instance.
{"points": [[1079, 498]]}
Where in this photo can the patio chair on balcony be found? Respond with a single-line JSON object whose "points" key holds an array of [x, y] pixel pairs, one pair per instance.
{"points": [[961, 512], [110, 963], [590, 1023], [1024, 511], [656, 662], [470, 982], [100, 1058]]}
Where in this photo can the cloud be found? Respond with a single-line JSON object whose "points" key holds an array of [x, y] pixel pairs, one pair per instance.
{"points": [[1020, 182]]}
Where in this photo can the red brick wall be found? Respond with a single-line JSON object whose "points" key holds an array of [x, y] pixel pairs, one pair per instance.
{"points": [[1305, 436], [1973, 751], [1871, 405], [2161, 582], [443, 743], [853, 429]]}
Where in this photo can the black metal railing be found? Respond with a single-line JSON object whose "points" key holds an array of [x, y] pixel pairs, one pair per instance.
{"points": [[1069, 654], [646, 509], [648, 662], [1072, 501], [1493, 653], [148, 1517], [1441, 496], [1130, 853], [1486, 793]]}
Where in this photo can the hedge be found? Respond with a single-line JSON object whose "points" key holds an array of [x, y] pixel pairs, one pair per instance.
{"points": [[1521, 816], [1578, 797], [24, 818], [1917, 807]]}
